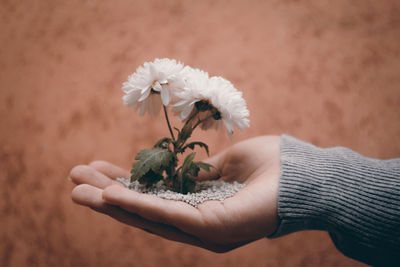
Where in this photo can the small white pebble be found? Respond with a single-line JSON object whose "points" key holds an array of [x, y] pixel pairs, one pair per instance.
{"points": [[204, 191]]}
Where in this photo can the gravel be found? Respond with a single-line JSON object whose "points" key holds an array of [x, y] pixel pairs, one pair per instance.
{"points": [[204, 191]]}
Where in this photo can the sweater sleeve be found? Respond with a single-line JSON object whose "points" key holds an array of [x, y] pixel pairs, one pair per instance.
{"points": [[355, 198]]}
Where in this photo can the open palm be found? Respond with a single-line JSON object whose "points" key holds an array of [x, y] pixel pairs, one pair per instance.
{"points": [[218, 226]]}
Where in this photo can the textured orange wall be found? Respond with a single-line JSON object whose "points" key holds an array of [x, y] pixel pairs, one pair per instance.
{"points": [[327, 72]]}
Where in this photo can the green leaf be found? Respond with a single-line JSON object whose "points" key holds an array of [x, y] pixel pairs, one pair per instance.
{"points": [[200, 144], [188, 162], [188, 185], [204, 166], [189, 171], [189, 168], [163, 143], [186, 132], [150, 178], [193, 171], [170, 171], [155, 159]]}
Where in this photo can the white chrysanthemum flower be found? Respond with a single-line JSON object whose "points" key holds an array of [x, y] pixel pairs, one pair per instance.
{"points": [[196, 85], [152, 84], [217, 101]]}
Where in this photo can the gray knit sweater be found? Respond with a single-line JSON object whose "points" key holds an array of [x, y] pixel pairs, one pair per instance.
{"points": [[355, 198]]}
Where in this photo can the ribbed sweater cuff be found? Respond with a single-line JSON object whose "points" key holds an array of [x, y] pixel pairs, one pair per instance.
{"points": [[355, 198], [304, 198]]}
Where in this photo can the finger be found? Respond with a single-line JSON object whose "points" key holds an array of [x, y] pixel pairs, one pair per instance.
{"points": [[214, 173], [87, 195], [163, 230], [176, 213], [90, 196], [109, 169], [83, 174]]}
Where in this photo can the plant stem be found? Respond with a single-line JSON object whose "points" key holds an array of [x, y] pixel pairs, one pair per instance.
{"points": [[191, 118], [180, 142], [169, 125], [176, 174], [200, 121], [193, 115], [180, 189]]}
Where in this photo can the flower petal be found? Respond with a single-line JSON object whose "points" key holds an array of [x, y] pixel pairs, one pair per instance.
{"points": [[150, 77], [186, 111], [157, 86], [144, 96], [144, 89], [152, 68], [165, 96], [163, 81], [176, 82], [143, 108], [131, 99], [229, 126], [180, 104], [127, 87]]}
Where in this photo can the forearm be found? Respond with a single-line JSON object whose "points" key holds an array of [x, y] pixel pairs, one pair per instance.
{"points": [[356, 199]]}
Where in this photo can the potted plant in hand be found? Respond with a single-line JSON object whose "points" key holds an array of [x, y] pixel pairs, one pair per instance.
{"points": [[200, 101]]}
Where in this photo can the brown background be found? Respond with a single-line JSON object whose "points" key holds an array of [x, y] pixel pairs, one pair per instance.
{"points": [[327, 72]]}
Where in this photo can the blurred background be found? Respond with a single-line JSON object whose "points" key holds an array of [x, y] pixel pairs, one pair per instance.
{"points": [[327, 72]]}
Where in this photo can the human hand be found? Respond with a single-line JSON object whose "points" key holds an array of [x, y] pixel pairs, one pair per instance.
{"points": [[218, 226]]}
